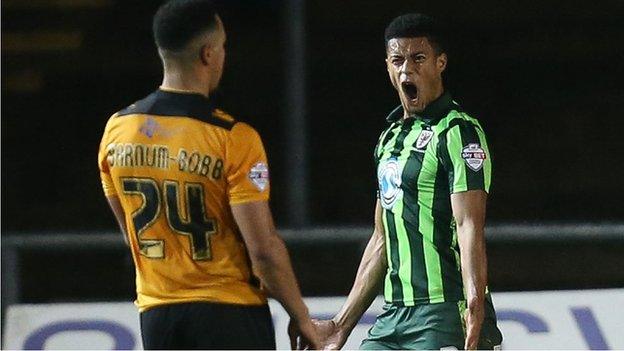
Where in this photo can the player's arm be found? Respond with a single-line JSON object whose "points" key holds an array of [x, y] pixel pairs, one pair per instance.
{"points": [[108, 186], [115, 205], [271, 262], [368, 280], [466, 156], [247, 176], [469, 212]]}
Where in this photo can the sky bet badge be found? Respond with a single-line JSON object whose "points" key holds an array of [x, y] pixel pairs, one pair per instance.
{"points": [[389, 177], [259, 175], [474, 156]]}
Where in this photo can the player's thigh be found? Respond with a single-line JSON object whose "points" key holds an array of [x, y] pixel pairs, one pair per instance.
{"points": [[441, 326], [433, 327], [161, 328], [382, 335], [368, 344], [236, 327]]}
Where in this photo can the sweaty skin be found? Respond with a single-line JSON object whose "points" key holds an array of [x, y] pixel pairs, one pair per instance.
{"points": [[413, 61]]}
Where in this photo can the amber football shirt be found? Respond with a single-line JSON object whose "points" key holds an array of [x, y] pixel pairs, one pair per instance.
{"points": [[177, 164]]}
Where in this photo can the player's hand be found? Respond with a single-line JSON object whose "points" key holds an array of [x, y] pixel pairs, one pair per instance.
{"points": [[303, 335], [474, 320], [330, 335]]}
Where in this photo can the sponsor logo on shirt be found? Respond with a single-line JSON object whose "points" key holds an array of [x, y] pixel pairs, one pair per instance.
{"points": [[474, 156], [259, 175], [149, 127], [389, 177], [152, 128]]}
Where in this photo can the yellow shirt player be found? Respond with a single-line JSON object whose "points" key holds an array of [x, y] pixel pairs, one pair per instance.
{"points": [[189, 186], [178, 164]]}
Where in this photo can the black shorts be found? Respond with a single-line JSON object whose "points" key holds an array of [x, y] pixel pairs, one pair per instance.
{"points": [[200, 325]]}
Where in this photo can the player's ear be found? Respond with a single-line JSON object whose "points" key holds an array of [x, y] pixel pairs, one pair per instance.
{"points": [[204, 54], [441, 62]]}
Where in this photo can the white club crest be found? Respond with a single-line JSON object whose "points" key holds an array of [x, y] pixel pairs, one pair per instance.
{"points": [[474, 156], [259, 175], [424, 138]]}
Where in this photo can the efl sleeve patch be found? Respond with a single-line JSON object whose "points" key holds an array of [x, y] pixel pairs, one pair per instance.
{"points": [[474, 156], [469, 157], [247, 168], [259, 175]]}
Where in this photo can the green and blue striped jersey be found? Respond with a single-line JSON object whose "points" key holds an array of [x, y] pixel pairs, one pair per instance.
{"points": [[421, 161]]}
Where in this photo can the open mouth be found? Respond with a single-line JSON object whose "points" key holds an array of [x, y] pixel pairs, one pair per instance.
{"points": [[410, 90]]}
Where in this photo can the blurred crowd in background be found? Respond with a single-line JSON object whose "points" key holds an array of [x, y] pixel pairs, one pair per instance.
{"points": [[543, 77]]}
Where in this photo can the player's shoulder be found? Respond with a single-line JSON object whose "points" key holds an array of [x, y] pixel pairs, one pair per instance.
{"points": [[456, 119], [138, 107], [224, 116], [225, 120], [111, 119], [174, 104], [392, 119], [242, 131]]}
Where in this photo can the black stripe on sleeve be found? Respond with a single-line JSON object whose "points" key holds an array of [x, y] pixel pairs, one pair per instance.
{"points": [[387, 137], [383, 140]]}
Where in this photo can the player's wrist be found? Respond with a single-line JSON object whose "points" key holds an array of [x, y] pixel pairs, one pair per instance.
{"points": [[302, 316], [341, 322], [475, 303]]}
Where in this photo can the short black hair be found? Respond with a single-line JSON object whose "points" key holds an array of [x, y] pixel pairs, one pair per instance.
{"points": [[413, 25], [177, 22]]}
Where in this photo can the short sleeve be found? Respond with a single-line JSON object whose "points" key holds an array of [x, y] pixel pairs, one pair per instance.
{"points": [[376, 150], [383, 138], [466, 157], [107, 181], [247, 169]]}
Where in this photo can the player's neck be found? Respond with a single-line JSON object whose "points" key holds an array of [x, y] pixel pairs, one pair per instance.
{"points": [[179, 81]]}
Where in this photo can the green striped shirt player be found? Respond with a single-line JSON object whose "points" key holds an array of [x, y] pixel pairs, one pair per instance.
{"points": [[420, 162], [427, 250]]}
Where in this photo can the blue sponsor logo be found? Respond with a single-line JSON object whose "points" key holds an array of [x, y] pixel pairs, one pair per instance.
{"points": [[389, 177]]}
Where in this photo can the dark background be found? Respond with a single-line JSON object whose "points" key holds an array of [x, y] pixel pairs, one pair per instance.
{"points": [[543, 77]]}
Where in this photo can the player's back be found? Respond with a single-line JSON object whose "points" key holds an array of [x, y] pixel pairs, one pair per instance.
{"points": [[177, 164]]}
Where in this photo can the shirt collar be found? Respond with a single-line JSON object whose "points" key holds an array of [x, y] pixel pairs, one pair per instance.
{"points": [[435, 111]]}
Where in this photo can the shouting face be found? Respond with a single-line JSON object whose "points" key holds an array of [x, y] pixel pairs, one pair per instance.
{"points": [[415, 70]]}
